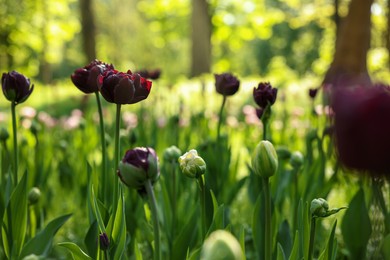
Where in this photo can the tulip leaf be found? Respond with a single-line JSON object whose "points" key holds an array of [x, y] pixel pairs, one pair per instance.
{"points": [[242, 240], [218, 216], [295, 249], [41, 243], [137, 251], [329, 251], [119, 227], [96, 211], [90, 239], [356, 226], [386, 247], [258, 223], [280, 255], [284, 237], [75, 250], [15, 220], [186, 236], [303, 228]]}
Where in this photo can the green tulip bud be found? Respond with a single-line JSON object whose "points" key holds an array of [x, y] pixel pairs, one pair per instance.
{"points": [[33, 196], [296, 159], [4, 135], [221, 245], [283, 153], [172, 154], [319, 207], [192, 165], [265, 159]]}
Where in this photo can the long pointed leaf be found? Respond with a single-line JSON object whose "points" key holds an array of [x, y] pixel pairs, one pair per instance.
{"points": [[15, 220], [41, 243], [75, 250]]}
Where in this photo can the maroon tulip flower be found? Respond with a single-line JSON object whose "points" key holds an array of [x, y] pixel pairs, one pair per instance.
{"points": [[362, 128], [16, 87], [226, 84], [264, 94], [149, 74], [123, 88], [313, 92], [137, 166], [86, 78]]}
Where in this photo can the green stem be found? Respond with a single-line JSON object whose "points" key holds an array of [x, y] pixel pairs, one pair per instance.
{"points": [[16, 159], [153, 209], [312, 236], [220, 118], [267, 235], [202, 195], [173, 165], [103, 144], [116, 156]]}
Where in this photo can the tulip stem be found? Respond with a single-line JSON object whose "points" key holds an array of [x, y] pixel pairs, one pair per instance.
{"points": [[312, 236], [220, 118], [116, 155], [103, 144], [153, 209], [16, 159], [202, 195], [267, 232]]}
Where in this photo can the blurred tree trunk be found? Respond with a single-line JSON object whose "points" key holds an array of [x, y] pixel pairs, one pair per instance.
{"points": [[349, 64], [88, 29], [201, 38], [45, 72], [388, 31], [336, 17]]}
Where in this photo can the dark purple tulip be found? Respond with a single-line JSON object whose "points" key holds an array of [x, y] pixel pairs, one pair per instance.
{"points": [[137, 166], [313, 92], [123, 88], [362, 128], [149, 74], [16, 87], [264, 94], [226, 84], [104, 241], [86, 78]]}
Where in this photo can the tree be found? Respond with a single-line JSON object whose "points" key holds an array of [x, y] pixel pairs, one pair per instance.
{"points": [[88, 29], [349, 64], [201, 38]]}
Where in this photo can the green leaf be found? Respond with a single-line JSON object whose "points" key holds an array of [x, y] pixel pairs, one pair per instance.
{"points": [[303, 228], [119, 227], [195, 255], [386, 247], [284, 237], [41, 243], [218, 216], [356, 226], [258, 223], [95, 207], [327, 254], [15, 220], [90, 239], [242, 241], [295, 249], [137, 252], [75, 250], [280, 253], [185, 237]]}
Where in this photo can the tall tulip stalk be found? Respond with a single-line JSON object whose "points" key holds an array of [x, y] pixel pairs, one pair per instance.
{"points": [[16, 88], [86, 80]]}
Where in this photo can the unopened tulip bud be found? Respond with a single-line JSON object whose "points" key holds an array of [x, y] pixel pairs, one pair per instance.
{"points": [[265, 159], [319, 207], [34, 196], [283, 153], [137, 166], [104, 241], [172, 154], [296, 159], [221, 245], [192, 165], [4, 135]]}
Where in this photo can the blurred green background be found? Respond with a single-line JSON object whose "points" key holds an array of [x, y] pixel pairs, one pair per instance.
{"points": [[46, 40]]}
